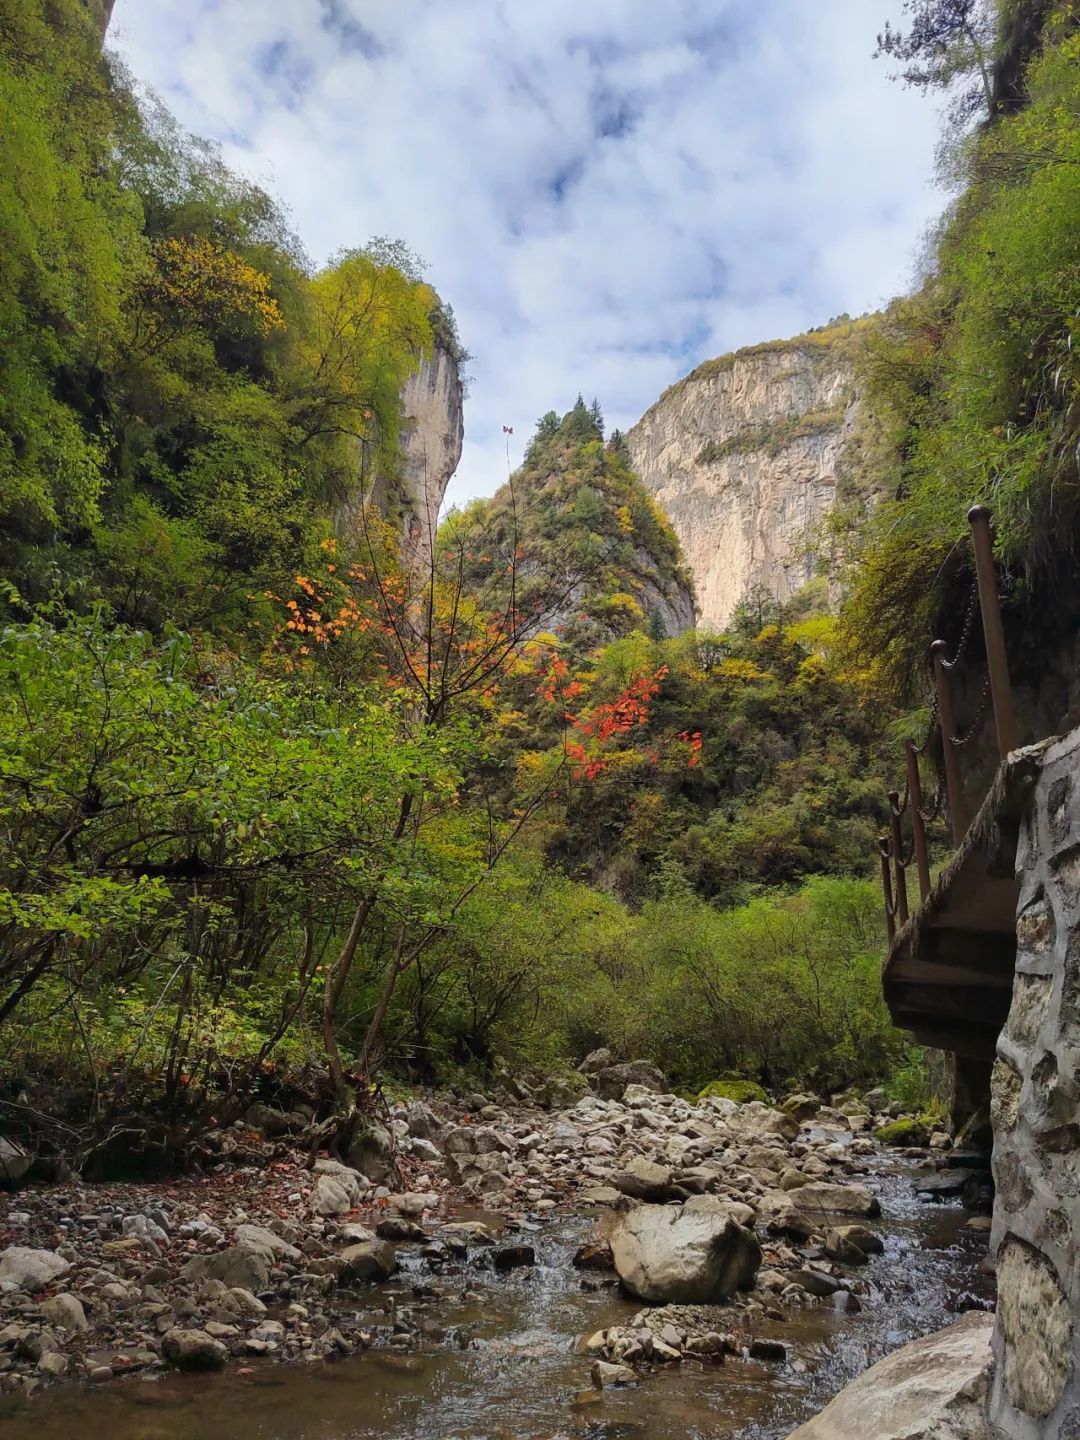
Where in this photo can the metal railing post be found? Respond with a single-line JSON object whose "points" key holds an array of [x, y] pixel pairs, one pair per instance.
{"points": [[918, 827], [886, 885], [996, 659], [958, 811], [898, 856]]}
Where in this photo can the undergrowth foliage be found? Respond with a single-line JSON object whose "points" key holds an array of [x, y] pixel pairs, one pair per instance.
{"points": [[285, 803]]}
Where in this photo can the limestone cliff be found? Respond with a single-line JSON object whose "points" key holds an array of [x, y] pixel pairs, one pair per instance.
{"points": [[432, 431], [743, 456], [410, 492]]}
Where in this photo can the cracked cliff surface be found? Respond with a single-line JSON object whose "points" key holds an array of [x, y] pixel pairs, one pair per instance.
{"points": [[743, 456], [432, 432]]}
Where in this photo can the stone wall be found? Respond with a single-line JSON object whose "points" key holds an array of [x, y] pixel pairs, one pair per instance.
{"points": [[1034, 1098]]}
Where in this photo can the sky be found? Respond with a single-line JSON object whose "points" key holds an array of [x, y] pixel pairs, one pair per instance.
{"points": [[607, 192]]}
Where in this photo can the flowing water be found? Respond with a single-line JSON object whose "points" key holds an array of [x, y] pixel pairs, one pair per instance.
{"points": [[519, 1377]]}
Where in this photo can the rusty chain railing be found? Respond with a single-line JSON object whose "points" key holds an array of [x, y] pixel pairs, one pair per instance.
{"points": [[896, 855]]}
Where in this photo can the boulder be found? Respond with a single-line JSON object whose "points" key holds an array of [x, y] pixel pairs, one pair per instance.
{"points": [[597, 1060], [778, 1212], [866, 1240], [684, 1254], [907, 1131], [944, 1186], [66, 1312], [593, 1255], [272, 1122], [31, 1269], [14, 1162], [237, 1268], [193, 1350], [373, 1153], [814, 1282], [821, 1197], [422, 1121], [330, 1197], [611, 1082], [933, 1389], [258, 1237], [643, 1180], [477, 1155], [754, 1121], [338, 1188], [369, 1260], [513, 1257], [802, 1107]]}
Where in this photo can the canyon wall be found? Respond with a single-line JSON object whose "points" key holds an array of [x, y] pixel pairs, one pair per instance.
{"points": [[743, 455], [432, 432]]}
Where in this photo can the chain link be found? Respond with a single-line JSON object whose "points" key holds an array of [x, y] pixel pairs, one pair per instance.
{"points": [[929, 816], [969, 625], [977, 719]]}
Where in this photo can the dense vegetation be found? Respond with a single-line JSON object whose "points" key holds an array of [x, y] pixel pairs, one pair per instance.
{"points": [[277, 809], [973, 380], [182, 399]]}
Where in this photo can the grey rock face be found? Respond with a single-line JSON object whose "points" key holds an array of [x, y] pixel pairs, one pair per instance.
{"points": [[743, 457]]}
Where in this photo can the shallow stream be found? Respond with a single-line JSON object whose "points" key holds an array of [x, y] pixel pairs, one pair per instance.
{"points": [[520, 1378]]}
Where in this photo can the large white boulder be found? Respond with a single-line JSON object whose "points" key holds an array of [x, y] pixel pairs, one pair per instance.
{"points": [[933, 1389], [31, 1269], [689, 1254]]}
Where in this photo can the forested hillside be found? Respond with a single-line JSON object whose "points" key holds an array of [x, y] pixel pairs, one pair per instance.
{"points": [[183, 399], [281, 808]]}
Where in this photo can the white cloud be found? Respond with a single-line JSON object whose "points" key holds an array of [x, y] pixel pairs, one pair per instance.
{"points": [[606, 192]]}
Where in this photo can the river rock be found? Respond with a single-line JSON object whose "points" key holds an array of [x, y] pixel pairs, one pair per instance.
{"points": [[802, 1107], [238, 1268], [933, 1389], [372, 1152], [597, 1060], [258, 1237], [814, 1282], [513, 1257], [643, 1180], [604, 1374], [611, 1082], [821, 1197], [594, 1255], [683, 1254], [31, 1269], [65, 1311], [369, 1260], [193, 1350], [754, 1121], [866, 1240]]}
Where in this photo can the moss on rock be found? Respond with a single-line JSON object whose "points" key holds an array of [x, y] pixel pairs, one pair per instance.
{"points": [[906, 1131], [738, 1090]]}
